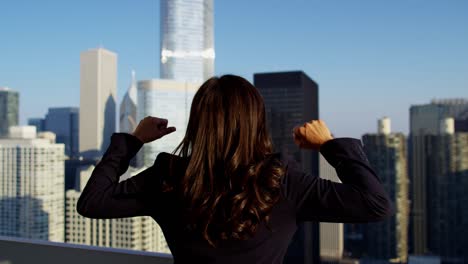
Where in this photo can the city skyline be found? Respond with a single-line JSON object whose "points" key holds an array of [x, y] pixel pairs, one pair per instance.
{"points": [[406, 53]]}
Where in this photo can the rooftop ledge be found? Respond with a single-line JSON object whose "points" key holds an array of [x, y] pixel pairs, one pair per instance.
{"points": [[19, 250]]}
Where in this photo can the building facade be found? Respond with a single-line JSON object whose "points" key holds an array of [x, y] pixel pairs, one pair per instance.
{"points": [[128, 108], [386, 151], [165, 99], [187, 40], [291, 98], [331, 234], [9, 110], [31, 185], [425, 120], [447, 180], [98, 89], [64, 123], [39, 123], [136, 233]]}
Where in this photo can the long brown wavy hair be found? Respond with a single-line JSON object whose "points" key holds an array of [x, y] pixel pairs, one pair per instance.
{"points": [[232, 180]]}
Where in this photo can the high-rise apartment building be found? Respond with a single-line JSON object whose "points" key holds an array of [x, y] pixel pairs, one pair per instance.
{"points": [[164, 99], [98, 89], [291, 98], [187, 40], [31, 185], [425, 120], [331, 234], [137, 233], [9, 110], [386, 151]]}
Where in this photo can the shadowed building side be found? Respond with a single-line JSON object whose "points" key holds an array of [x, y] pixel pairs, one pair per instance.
{"points": [[291, 98]]}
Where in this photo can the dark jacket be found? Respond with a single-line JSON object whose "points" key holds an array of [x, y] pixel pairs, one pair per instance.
{"points": [[359, 198]]}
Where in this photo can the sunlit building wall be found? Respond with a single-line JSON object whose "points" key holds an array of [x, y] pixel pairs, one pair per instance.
{"points": [[136, 233], [187, 40], [331, 234], [31, 185], [98, 89]]}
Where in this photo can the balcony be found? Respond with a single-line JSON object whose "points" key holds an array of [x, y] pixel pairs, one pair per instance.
{"points": [[19, 251]]}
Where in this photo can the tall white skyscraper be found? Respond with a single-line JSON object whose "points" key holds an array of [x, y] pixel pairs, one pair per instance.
{"points": [[166, 99], [331, 234], [98, 89], [128, 108], [137, 233], [187, 41], [31, 185]]}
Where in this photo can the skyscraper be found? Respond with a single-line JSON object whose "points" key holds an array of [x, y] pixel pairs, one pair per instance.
{"points": [[98, 86], [164, 99], [425, 120], [386, 152], [446, 159], [128, 108], [331, 234], [187, 41], [291, 98], [32, 185], [9, 110], [64, 122]]}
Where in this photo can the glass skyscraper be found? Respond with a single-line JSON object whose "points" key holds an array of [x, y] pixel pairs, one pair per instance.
{"points": [[64, 122], [165, 99], [187, 42], [9, 110]]}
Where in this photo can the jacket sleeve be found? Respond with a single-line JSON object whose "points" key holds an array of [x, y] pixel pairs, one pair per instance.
{"points": [[105, 197], [359, 198]]}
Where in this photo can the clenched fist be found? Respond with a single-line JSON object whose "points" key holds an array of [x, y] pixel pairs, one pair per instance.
{"points": [[311, 135], [151, 128]]}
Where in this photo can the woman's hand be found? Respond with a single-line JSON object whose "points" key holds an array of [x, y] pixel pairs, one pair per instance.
{"points": [[311, 135], [151, 128]]}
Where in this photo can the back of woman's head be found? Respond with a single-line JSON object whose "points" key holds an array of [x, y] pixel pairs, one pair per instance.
{"points": [[232, 181]]}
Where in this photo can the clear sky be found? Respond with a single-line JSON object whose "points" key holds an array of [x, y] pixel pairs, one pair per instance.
{"points": [[371, 58]]}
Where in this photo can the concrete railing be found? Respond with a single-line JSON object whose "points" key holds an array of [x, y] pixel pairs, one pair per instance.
{"points": [[19, 251]]}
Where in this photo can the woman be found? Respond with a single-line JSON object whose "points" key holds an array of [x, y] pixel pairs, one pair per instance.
{"points": [[226, 197]]}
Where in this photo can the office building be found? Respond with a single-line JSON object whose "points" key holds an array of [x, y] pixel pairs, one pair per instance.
{"points": [[331, 234], [167, 99], [128, 108], [9, 110], [187, 40], [425, 120], [31, 185], [386, 151], [447, 181], [136, 233], [98, 87], [39, 123], [64, 123], [291, 98]]}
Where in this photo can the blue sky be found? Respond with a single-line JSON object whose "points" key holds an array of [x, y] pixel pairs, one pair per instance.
{"points": [[371, 58]]}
